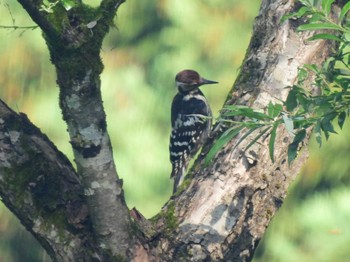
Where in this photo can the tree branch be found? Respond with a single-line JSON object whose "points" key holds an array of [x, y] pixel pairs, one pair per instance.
{"points": [[40, 18], [109, 8], [81, 103], [40, 186]]}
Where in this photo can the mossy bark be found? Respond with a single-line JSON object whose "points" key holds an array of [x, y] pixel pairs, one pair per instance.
{"points": [[74, 38], [39, 185]]}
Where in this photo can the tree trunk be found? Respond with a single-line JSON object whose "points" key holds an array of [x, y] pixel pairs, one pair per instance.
{"points": [[223, 209]]}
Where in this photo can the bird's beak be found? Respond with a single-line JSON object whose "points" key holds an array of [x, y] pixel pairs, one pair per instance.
{"points": [[207, 82]]}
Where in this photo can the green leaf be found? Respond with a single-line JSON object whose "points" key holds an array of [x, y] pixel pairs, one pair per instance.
{"points": [[326, 123], [256, 115], [304, 101], [327, 126], [306, 3], [274, 110], [257, 138], [293, 147], [248, 112], [329, 64], [286, 17], [316, 17], [325, 36], [341, 119], [312, 67], [251, 130], [299, 137], [344, 10], [301, 12], [68, 4], [318, 26], [292, 153], [288, 122], [344, 72], [302, 74], [326, 6], [291, 101], [323, 107], [233, 110], [225, 138], [47, 6], [318, 133], [272, 141]]}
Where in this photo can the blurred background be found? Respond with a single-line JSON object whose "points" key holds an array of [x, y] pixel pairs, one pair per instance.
{"points": [[154, 40]]}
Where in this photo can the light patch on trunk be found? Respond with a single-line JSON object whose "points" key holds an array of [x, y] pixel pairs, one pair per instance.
{"points": [[73, 102], [14, 136]]}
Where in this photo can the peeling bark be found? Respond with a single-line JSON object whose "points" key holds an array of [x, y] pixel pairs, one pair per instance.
{"points": [[221, 212]]}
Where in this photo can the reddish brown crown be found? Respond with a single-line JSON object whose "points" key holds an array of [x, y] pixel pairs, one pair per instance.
{"points": [[188, 77], [188, 80]]}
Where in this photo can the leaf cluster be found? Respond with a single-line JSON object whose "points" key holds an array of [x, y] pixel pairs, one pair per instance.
{"points": [[302, 110], [48, 6]]}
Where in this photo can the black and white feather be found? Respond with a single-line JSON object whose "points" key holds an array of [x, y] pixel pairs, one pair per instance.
{"points": [[190, 121]]}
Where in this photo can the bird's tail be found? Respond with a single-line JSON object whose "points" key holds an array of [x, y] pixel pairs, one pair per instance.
{"points": [[178, 174]]}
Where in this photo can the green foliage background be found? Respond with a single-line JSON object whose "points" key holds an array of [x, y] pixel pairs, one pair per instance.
{"points": [[154, 40]]}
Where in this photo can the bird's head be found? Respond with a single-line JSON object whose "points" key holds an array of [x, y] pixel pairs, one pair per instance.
{"points": [[188, 80]]}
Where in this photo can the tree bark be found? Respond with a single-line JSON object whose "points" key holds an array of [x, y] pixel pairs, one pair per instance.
{"points": [[74, 38], [221, 211], [39, 185]]}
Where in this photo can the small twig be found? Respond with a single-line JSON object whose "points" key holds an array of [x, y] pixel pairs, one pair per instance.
{"points": [[9, 10], [15, 27], [40, 18]]}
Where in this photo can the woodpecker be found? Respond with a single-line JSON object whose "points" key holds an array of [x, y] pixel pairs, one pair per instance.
{"points": [[190, 122]]}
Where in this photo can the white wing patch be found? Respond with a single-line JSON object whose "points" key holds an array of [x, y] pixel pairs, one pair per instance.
{"points": [[184, 143]]}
